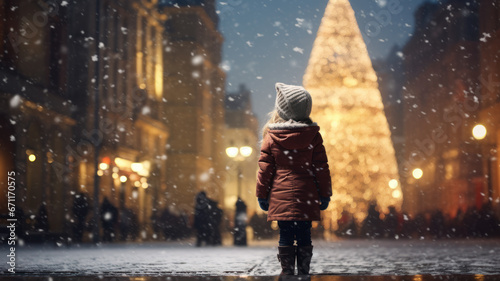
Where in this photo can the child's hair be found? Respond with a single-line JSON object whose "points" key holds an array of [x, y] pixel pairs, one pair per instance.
{"points": [[273, 118]]}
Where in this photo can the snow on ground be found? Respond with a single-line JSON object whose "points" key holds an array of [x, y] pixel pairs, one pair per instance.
{"points": [[353, 257]]}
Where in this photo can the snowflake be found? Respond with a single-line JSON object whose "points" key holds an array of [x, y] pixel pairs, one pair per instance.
{"points": [[298, 50], [197, 60], [15, 101]]}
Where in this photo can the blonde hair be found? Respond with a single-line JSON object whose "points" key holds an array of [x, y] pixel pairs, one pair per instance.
{"points": [[273, 118]]}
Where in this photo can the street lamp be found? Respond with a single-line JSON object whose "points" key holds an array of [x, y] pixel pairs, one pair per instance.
{"points": [[417, 173], [479, 132], [239, 154]]}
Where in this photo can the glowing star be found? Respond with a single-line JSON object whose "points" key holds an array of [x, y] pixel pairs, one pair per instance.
{"points": [[348, 107]]}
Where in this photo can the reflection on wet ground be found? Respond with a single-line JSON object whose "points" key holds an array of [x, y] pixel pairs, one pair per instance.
{"points": [[477, 277]]}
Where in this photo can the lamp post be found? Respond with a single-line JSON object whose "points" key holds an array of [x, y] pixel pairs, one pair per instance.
{"points": [[239, 154], [97, 148], [479, 132]]}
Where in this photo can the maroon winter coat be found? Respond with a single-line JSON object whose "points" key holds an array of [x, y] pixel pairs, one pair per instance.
{"points": [[293, 172]]}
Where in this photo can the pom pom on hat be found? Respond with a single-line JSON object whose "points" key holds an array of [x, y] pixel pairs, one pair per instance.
{"points": [[292, 102]]}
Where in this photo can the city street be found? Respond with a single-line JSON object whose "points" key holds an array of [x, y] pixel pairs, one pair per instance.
{"points": [[341, 258]]}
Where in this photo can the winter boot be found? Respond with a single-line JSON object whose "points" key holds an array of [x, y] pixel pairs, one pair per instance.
{"points": [[286, 256], [304, 255]]}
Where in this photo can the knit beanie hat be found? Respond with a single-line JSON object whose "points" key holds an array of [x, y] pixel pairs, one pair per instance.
{"points": [[292, 102]]}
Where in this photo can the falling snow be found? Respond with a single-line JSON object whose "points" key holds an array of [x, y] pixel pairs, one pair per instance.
{"points": [[15, 101], [298, 50]]}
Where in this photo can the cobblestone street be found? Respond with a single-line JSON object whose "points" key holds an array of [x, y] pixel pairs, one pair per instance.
{"points": [[346, 258]]}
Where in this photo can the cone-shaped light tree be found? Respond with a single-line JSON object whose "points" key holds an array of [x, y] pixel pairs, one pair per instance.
{"points": [[348, 107]]}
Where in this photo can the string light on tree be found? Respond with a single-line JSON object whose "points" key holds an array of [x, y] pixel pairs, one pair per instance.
{"points": [[348, 107]]}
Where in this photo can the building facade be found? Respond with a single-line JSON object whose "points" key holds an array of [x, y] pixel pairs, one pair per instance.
{"points": [[442, 165], [489, 115], [106, 79], [36, 108], [194, 91]]}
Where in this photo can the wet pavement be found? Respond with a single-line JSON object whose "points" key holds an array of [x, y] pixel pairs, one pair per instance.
{"points": [[476, 277], [348, 260]]}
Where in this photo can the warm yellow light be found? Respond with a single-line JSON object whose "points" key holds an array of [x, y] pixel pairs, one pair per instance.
{"points": [[137, 184], [100, 173], [145, 185], [50, 158], [115, 175], [350, 81], [136, 167], [417, 173], [32, 157], [122, 164], [340, 77], [479, 132], [246, 151], [142, 86], [159, 80], [396, 194], [393, 183], [232, 151], [103, 166], [123, 178]]}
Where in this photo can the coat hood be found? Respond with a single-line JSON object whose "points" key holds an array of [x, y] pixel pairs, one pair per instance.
{"points": [[293, 135]]}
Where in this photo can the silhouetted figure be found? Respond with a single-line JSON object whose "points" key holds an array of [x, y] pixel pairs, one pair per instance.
{"points": [[80, 211], [488, 222], [240, 223], [407, 226], [391, 223], [128, 224], [346, 225], [215, 218], [201, 219], [420, 225], [471, 220], [109, 217], [372, 225], [42, 220], [437, 225]]}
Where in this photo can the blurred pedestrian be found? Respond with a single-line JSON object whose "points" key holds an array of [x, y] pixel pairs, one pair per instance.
{"points": [[202, 219], [437, 225], [80, 211], [127, 224], [346, 225], [215, 219], [109, 217], [293, 181], [391, 223], [372, 224], [240, 223], [42, 219]]}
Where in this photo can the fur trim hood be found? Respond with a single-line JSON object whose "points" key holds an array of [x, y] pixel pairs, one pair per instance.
{"points": [[290, 125], [293, 135]]}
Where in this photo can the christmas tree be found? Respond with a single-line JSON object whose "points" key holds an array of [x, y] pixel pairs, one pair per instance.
{"points": [[348, 107]]}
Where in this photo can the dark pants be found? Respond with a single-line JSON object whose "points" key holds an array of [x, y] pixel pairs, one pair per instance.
{"points": [[295, 230]]}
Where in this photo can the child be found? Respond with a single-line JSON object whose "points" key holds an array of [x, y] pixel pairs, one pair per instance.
{"points": [[293, 181]]}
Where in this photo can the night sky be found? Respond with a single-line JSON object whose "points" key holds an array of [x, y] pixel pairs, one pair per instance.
{"points": [[267, 41]]}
